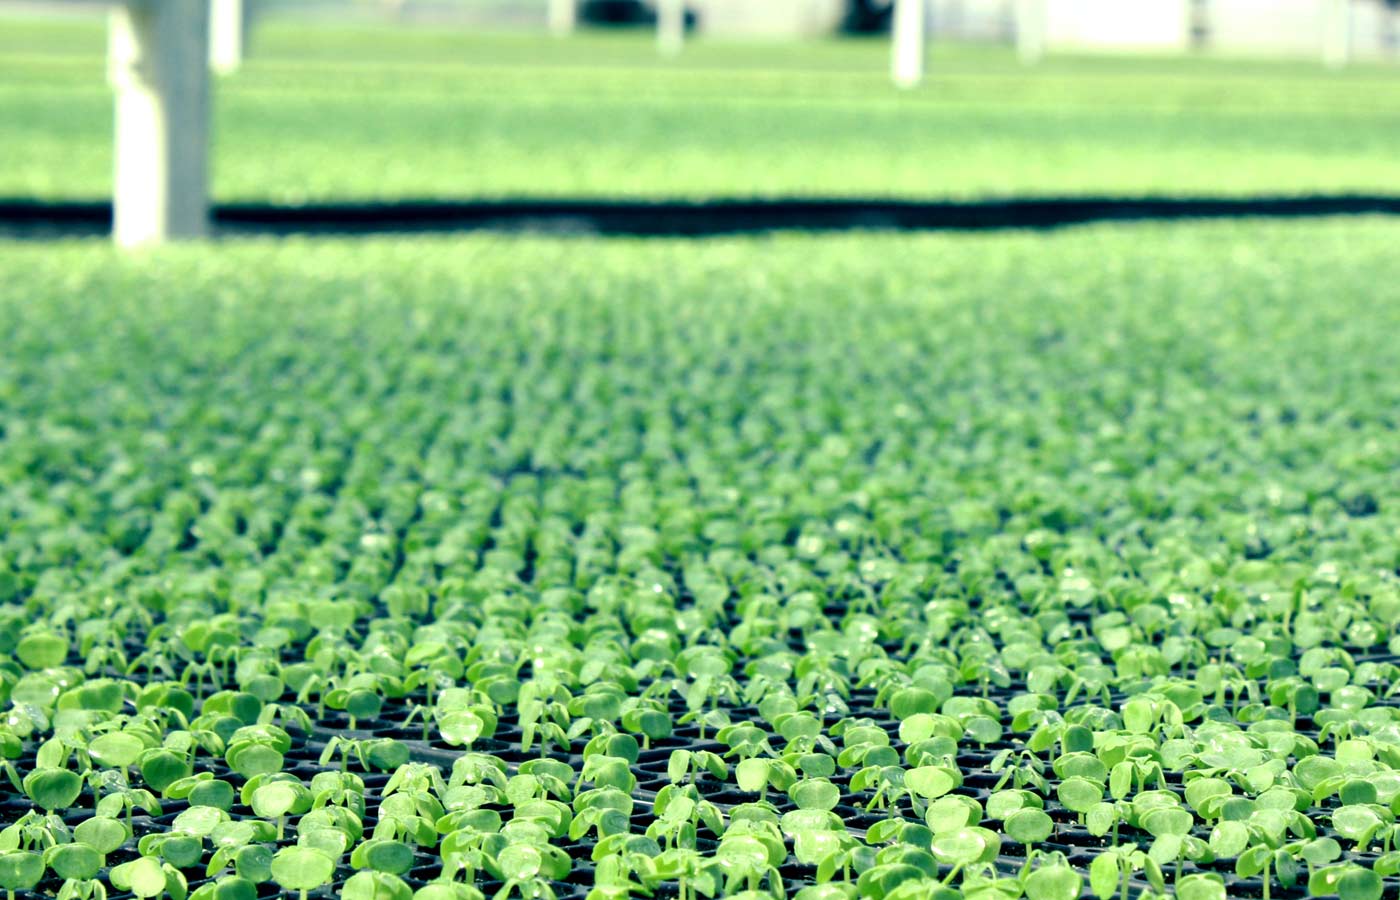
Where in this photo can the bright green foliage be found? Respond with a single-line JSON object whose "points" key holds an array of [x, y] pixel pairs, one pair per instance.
{"points": [[850, 567], [374, 113], [302, 868]]}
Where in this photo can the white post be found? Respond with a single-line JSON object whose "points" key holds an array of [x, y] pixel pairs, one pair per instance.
{"points": [[1030, 31], [670, 26], [1200, 24], [910, 34], [1336, 34], [158, 57], [1390, 31], [563, 16], [228, 35]]}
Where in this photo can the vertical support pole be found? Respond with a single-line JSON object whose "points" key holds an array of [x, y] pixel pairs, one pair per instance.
{"points": [[1200, 23], [909, 40], [1030, 31], [1390, 30], [670, 26], [563, 17], [158, 54], [228, 35], [1336, 33]]}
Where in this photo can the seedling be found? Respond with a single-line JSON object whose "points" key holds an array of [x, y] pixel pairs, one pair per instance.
{"points": [[302, 869]]}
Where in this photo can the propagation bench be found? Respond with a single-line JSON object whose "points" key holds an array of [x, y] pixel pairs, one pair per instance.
{"points": [[160, 53]]}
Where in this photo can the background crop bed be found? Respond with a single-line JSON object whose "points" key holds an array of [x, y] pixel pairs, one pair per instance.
{"points": [[930, 533], [389, 113]]}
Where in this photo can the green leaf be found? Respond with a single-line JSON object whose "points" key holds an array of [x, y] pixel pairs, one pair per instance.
{"points": [[883, 880], [1165, 848], [1029, 826], [1358, 883], [301, 868], [1079, 794], [439, 890], [1201, 887], [215, 794], [116, 749], [162, 768], [386, 754], [520, 862], [101, 833], [393, 857], [20, 870], [1077, 739], [654, 724], [375, 886], [885, 831], [917, 727], [742, 852], [815, 794], [255, 862], [912, 701], [229, 887], [1357, 823], [363, 704], [1054, 883], [144, 877], [76, 861], [817, 765], [200, 820], [274, 799], [677, 765], [930, 782], [950, 813], [1120, 780], [1003, 803], [1321, 851], [1139, 715], [42, 651], [1348, 881], [460, 728], [1103, 875], [1100, 818], [182, 851], [249, 759], [1252, 861], [1199, 791], [1159, 822], [1228, 839], [961, 847], [1153, 872], [53, 789], [982, 729], [811, 847], [752, 775], [1356, 791]]}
